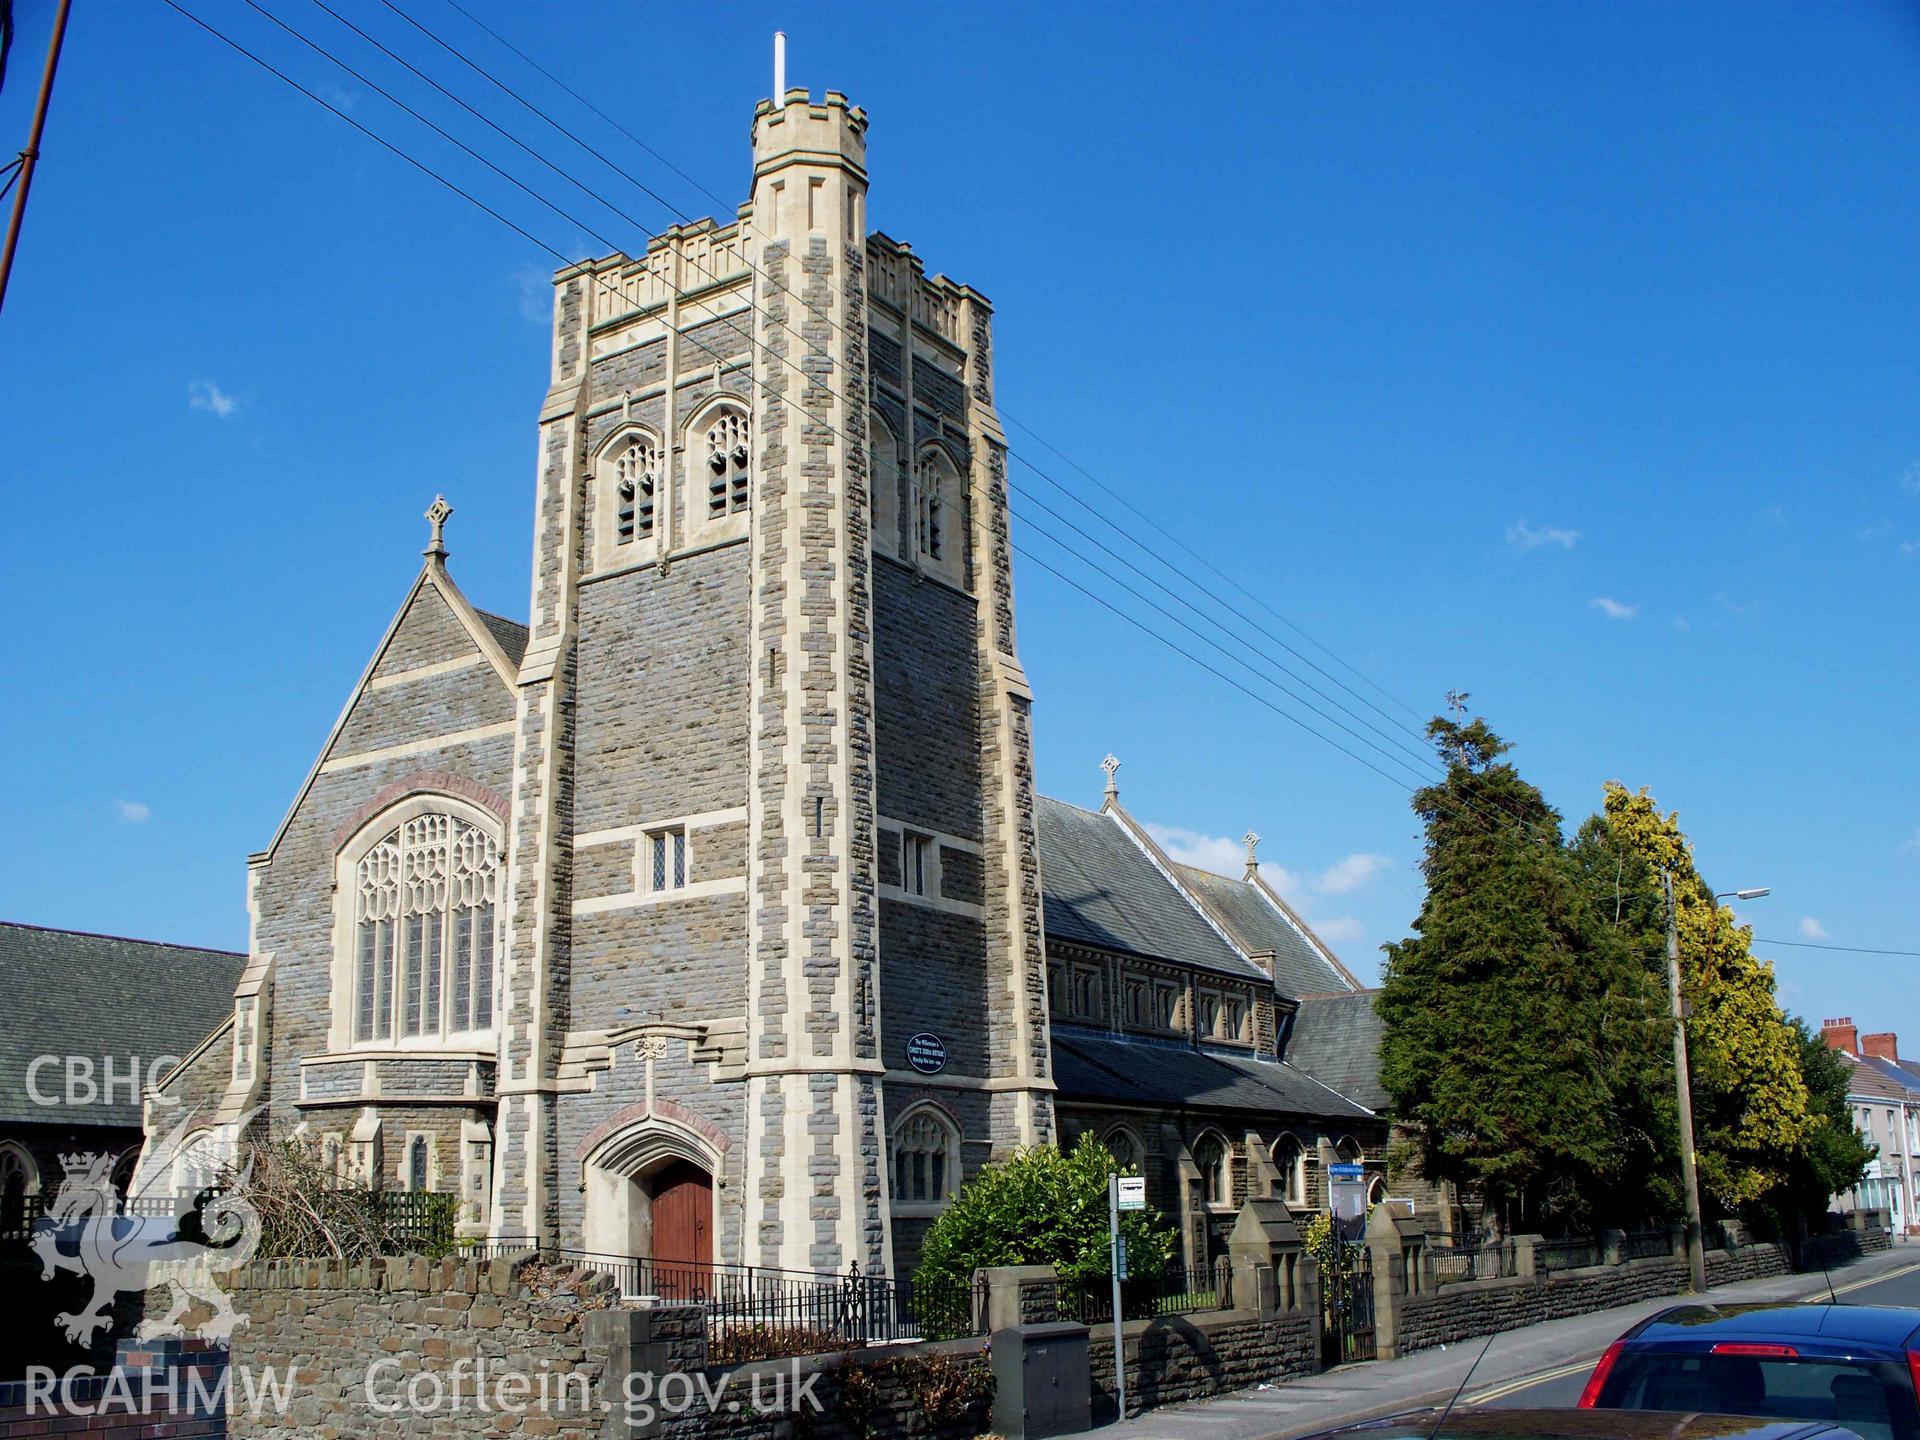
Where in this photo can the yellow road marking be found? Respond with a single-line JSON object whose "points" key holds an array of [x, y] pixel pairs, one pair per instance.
{"points": [[1876, 1279], [1512, 1387]]}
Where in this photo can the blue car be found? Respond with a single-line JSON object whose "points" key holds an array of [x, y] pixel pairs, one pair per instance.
{"points": [[1856, 1367]]}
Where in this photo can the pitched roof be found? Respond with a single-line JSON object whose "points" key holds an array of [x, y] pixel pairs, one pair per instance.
{"points": [[1336, 1039], [1893, 1074], [102, 998], [1099, 888], [1257, 924], [1134, 1072], [511, 634]]}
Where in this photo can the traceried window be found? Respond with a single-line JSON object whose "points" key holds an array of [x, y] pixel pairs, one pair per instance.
{"points": [[1210, 1159], [1125, 1148], [425, 922], [636, 478], [1209, 1014], [1136, 1003], [1233, 1016], [1166, 1006], [933, 500], [1086, 993], [727, 456], [926, 1153], [1290, 1159]]}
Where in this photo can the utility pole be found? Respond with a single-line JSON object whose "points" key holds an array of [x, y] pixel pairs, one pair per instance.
{"points": [[1683, 1084], [31, 155]]}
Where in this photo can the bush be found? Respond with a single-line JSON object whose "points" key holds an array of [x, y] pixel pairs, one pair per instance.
{"points": [[1041, 1207]]}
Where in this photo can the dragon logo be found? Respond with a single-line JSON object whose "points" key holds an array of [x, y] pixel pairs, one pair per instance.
{"points": [[124, 1252]]}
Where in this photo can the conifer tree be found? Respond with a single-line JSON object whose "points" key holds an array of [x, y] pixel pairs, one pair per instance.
{"points": [[1504, 1012]]}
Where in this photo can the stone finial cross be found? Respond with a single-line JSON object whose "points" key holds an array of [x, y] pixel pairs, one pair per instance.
{"points": [[1112, 766], [1252, 842], [437, 514]]}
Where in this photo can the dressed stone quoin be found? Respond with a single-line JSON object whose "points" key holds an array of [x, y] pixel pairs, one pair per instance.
{"points": [[618, 924]]}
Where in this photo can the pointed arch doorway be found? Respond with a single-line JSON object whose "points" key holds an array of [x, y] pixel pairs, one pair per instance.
{"points": [[650, 1203]]}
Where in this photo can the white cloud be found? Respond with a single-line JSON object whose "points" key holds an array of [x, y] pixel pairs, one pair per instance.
{"points": [[1812, 929], [1524, 536], [1910, 481], [1910, 547], [1203, 852], [1340, 930], [1912, 843], [1614, 609], [1775, 514], [1680, 622], [205, 395], [534, 291], [132, 811], [1350, 874]]}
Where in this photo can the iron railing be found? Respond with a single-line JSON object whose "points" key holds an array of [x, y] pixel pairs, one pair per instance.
{"points": [[1647, 1244], [757, 1312], [1470, 1257], [1177, 1290], [1572, 1253]]}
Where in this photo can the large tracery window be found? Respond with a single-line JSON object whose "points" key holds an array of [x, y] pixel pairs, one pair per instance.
{"points": [[424, 928], [727, 471], [930, 506], [925, 1158], [636, 480]]}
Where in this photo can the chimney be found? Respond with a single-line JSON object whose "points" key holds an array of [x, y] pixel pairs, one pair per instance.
{"points": [[1841, 1034], [1884, 1046]]}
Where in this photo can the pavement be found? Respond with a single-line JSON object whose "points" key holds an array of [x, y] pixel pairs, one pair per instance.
{"points": [[1544, 1364]]}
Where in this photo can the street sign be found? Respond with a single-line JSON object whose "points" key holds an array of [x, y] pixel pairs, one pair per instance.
{"points": [[1346, 1170], [1133, 1192]]}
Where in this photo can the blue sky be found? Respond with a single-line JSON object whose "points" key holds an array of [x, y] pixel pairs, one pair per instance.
{"points": [[1560, 354]]}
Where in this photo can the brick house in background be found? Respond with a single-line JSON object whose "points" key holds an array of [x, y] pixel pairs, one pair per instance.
{"points": [[92, 1021], [702, 917], [1883, 1093]]}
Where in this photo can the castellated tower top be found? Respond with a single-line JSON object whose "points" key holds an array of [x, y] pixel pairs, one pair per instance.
{"points": [[796, 131]]}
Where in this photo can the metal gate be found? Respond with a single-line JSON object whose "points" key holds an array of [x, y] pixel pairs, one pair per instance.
{"points": [[1346, 1305]]}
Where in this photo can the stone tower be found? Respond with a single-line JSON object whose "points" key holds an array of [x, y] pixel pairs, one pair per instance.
{"points": [[772, 804]]}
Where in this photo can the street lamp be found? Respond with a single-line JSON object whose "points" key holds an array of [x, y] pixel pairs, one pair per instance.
{"points": [[1683, 1083]]}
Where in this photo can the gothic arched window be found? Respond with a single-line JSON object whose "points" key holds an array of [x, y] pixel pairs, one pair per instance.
{"points": [[1126, 1149], [726, 457], [425, 920], [636, 476], [1290, 1159], [926, 1158], [1210, 1159], [935, 508], [19, 1179], [417, 1163], [884, 449]]}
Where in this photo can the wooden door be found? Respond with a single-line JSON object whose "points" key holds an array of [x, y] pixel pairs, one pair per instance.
{"points": [[682, 1216]]}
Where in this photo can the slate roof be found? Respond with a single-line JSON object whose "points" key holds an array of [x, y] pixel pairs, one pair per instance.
{"points": [[1336, 1039], [1893, 1073], [1252, 920], [1100, 889], [511, 634], [1135, 1073], [70, 993]]}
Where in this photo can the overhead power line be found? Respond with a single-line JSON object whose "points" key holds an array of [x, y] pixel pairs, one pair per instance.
{"points": [[1844, 949], [1462, 809]]}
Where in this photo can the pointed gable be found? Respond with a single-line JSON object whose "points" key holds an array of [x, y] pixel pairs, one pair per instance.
{"points": [[1300, 965]]}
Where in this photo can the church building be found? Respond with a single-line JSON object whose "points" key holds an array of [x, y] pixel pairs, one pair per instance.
{"points": [[712, 914]]}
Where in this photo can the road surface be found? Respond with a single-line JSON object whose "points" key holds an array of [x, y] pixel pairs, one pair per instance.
{"points": [[1561, 1385], [1541, 1365]]}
